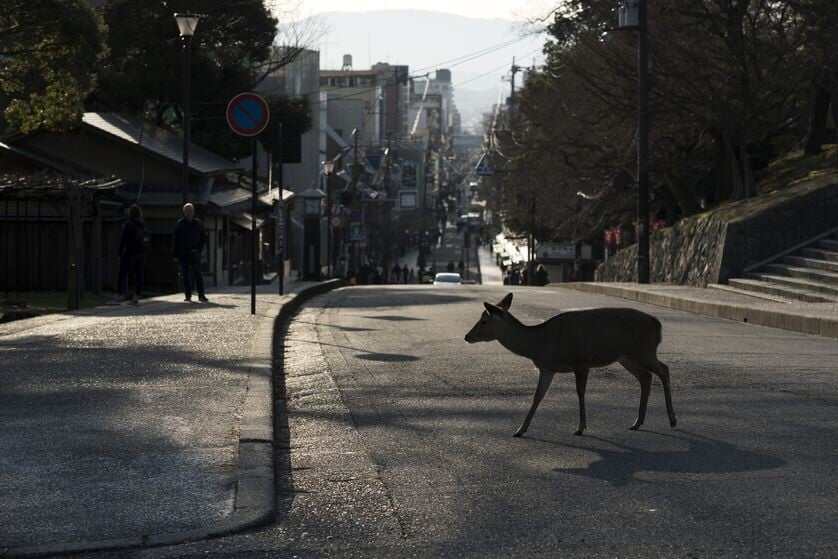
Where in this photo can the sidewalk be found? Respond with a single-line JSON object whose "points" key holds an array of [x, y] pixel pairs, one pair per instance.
{"points": [[808, 318], [138, 425]]}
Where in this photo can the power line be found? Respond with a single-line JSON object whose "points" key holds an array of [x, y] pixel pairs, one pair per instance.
{"points": [[471, 56], [504, 65], [364, 91], [463, 59]]}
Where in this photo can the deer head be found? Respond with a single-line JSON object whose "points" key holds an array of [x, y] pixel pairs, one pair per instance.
{"points": [[485, 330]]}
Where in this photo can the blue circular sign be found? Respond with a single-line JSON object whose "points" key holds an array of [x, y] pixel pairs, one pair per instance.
{"points": [[247, 114]]}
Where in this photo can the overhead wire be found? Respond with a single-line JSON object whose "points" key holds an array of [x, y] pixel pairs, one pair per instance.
{"points": [[363, 91], [463, 59]]}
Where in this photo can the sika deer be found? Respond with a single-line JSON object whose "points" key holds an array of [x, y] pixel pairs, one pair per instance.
{"points": [[577, 341]]}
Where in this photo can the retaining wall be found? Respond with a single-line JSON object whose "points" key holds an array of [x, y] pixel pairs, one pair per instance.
{"points": [[717, 245]]}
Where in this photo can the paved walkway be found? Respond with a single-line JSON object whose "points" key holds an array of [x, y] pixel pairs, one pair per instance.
{"points": [[124, 421], [808, 318], [490, 273]]}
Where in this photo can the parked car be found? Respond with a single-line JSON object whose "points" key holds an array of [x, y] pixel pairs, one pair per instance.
{"points": [[448, 279]]}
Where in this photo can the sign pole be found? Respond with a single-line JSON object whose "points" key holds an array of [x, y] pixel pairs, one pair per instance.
{"points": [[247, 115], [254, 233]]}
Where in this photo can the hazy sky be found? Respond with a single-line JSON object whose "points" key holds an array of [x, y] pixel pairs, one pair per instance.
{"points": [[505, 9]]}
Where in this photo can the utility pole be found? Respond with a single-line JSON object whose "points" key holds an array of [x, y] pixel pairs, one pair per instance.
{"points": [[515, 69], [643, 144], [276, 159], [357, 202], [388, 245]]}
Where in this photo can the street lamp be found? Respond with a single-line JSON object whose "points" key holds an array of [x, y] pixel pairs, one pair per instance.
{"points": [[312, 212], [186, 23], [328, 171], [633, 15]]}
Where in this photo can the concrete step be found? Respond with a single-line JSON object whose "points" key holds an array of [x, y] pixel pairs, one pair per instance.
{"points": [[817, 264], [813, 274], [780, 292], [750, 288], [820, 254], [796, 283], [828, 244]]}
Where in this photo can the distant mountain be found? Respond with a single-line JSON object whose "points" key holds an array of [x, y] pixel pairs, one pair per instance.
{"points": [[425, 40]]}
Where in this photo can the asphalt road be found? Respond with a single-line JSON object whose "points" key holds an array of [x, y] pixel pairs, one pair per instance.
{"points": [[400, 440]]}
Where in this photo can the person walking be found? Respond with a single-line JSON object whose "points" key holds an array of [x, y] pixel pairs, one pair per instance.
{"points": [[189, 244], [405, 274], [541, 275], [132, 254]]}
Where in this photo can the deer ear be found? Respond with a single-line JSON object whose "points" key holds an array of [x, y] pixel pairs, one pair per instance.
{"points": [[493, 310], [506, 302]]}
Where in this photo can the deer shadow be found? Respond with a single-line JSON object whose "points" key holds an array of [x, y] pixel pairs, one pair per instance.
{"points": [[703, 456]]}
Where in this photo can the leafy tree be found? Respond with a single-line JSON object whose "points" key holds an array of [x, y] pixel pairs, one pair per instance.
{"points": [[731, 81], [295, 116], [49, 51], [819, 28], [231, 52]]}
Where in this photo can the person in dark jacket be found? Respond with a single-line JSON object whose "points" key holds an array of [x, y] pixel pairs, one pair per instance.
{"points": [[189, 244], [132, 254], [541, 275]]}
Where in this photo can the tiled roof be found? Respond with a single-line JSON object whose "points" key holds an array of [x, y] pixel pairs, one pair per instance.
{"points": [[157, 140], [44, 182], [42, 178]]}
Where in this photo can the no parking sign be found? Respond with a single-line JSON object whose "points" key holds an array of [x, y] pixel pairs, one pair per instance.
{"points": [[248, 114]]}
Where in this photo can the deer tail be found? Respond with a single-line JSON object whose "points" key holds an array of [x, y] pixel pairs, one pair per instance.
{"points": [[658, 331]]}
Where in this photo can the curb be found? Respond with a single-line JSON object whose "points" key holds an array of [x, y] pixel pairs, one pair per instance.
{"points": [[255, 503], [805, 324]]}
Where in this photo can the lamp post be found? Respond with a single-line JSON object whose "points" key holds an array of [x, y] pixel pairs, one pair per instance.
{"points": [[328, 171], [186, 23], [312, 213], [633, 15]]}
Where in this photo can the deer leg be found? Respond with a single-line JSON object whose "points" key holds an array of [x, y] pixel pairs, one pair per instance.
{"points": [[645, 378], [544, 380], [663, 373], [581, 383]]}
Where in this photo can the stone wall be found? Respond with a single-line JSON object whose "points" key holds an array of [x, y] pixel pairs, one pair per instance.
{"points": [[717, 245]]}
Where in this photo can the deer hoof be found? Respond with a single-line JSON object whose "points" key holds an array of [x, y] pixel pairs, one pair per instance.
{"points": [[673, 422], [519, 433], [579, 432], [635, 427]]}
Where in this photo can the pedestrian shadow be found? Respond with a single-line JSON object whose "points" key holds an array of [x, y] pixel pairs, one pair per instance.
{"points": [[704, 456]]}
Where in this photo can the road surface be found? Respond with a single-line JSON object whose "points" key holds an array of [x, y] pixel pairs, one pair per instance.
{"points": [[400, 440]]}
